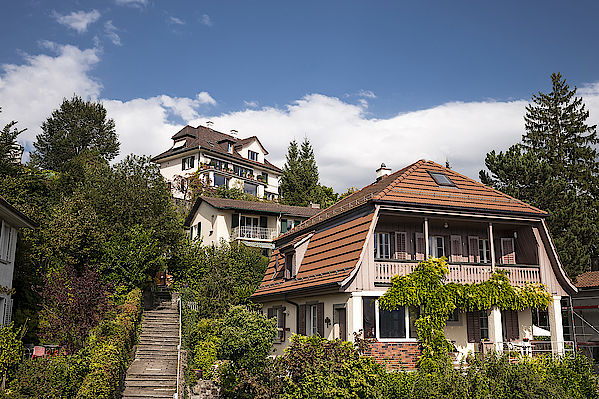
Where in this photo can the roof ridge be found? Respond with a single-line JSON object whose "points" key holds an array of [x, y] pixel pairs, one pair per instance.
{"points": [[489, 187], [403, 173]]}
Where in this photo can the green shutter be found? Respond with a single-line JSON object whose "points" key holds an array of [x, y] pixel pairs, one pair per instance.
{"points": [[235, 221], [263, 221]]}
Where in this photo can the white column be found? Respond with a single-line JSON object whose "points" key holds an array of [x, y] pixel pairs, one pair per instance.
{"points": [[492, 246], [496, 328], [426, 243], [355, 316], [555, 324]]}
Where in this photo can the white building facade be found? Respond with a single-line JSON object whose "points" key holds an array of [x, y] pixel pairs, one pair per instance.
{"points": [[220, 160]]}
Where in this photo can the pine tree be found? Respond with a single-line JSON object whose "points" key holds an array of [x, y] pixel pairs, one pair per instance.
{"points": [[556, 168], [76, 127], [299, 181]]}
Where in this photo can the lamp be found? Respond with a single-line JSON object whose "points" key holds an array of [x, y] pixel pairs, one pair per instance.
{"points": [[445, 225], [515, 234], [327, 321]]}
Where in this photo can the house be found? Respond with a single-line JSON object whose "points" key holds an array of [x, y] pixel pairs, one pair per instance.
{"points": [[255, 223], [325, 276], [220, 160], [584, 315], [10, 221]]}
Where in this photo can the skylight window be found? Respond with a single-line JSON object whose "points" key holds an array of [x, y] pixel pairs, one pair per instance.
{"points": [[441, 179]]}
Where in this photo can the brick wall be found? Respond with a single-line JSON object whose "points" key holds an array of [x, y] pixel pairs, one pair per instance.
{"points": [[394, 355]]}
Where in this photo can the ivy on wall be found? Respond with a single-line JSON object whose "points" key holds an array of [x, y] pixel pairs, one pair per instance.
{"points": [[426, 287]]}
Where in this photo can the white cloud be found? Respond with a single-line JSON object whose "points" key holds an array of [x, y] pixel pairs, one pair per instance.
{"points": [[250, 104], [77, 20], [111, 33], [31, 91], [348, 143], [205, 98], [366, 94], [132, 3], [176, 21], [205, 20]]}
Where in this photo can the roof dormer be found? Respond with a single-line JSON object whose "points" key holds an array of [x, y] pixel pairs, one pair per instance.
{"points": [[251, 149]]}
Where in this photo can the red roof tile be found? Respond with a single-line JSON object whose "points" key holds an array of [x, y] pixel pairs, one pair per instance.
{"points": [[587, 280]]}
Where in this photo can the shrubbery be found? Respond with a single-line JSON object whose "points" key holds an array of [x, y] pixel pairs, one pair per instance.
{"points": [[95, 371]]}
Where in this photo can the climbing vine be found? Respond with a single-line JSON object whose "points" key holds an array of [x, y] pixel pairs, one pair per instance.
{"points": [[426, 288]]}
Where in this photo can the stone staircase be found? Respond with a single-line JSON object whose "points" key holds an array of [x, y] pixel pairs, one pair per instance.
{"points": [[153, 373]]}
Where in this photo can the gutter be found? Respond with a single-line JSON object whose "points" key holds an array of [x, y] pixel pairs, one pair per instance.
{"points": [[296, 311]]}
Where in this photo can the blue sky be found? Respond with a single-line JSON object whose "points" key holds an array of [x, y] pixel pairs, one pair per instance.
{"points": [[411, 76]]}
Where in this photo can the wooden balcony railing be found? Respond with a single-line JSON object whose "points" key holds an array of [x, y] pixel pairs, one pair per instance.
{"points": [[458, 273], [254, 233]]}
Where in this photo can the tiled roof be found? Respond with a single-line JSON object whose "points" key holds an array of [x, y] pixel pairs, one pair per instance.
{"points": [[587, 280], [252, 206], [414, 186], [331, 256], [210, 140]]}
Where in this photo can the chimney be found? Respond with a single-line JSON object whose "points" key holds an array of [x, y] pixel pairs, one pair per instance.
{"points": [[314, 206], [382, 171], [209, 124], [234, 132]]}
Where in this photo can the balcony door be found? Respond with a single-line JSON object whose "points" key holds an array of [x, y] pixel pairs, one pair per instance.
{"points": [[248, 226]]}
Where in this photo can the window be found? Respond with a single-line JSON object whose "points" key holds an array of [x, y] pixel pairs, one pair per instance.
{"points": [[187, 162], [230, 148], [382, 246], [278, 313], [253, 155], [250, 188], [436, 246], [220, 180], [289, 265], [196, 231], [288, 224], [484, 325], [384, 324], [477, 326], [263, 177], [454, 316], [441, 179], [179, 144], [243, 172], [5, 242], [540, 318], [220, 165], [393, 323], [484, 251], [312, 320]]}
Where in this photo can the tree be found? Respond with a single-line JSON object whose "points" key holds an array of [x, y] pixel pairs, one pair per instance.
{"points": [[556, 168], [77, 126], [9, 148], [299, 181]]}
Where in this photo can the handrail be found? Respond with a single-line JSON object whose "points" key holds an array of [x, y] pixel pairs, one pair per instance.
{"points": [[179, 348]]}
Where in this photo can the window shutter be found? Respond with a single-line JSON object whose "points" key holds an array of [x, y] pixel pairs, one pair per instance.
{"points": [[510, 322], [301, 320], [193, 158], [8, 311], [473, 256], [235, 220], [456, 248], [263, 221], [284, 326], [473, 326], [271, 313], [420, 247], [508, 256], [320, 319], [401, 246]]}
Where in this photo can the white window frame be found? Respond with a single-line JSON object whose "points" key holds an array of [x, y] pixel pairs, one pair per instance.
{"points": [[252, 155], [186, 164], [377, 318], [280, 314], [312, 319], [6, 242], [433, 247], [230, 148], [482, 252], [378, 245]]}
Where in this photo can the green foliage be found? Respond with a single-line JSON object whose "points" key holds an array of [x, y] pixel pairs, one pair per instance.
{"points": [[299, 181], [217, 276], [129, 259], [556, 168], [108, 349], [231, 193], [73, 128], [9, 147], [11, 349], [426, 287]]}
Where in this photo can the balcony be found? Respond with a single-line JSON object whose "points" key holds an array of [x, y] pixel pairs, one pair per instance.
{"points": [[460, 273], [254, 233]]}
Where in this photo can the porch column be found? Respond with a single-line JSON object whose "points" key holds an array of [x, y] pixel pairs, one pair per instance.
{"points": [[496, 329], [355, 315], [426, 243], [492, 246], [555, 323]]}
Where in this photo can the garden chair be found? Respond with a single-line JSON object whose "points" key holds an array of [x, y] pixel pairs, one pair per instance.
{"points": [[38, 351]]}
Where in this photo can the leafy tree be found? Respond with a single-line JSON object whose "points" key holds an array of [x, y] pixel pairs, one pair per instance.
{"points": [[556, 168], [73, 128], [9, 147], [11, 349], [72, 304]]}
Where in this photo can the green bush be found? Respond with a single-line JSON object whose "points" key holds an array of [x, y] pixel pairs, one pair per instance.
{"points": [[108, 349]]}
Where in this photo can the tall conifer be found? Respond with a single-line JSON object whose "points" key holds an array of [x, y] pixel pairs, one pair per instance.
{"points": [[556, 168]]}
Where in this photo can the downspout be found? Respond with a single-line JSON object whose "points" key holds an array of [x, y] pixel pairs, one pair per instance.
{"points": [[296, 312]]}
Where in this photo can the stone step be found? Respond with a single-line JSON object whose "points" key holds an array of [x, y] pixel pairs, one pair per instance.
{"points": [[152, 383], [134, 392], [159, 340]]}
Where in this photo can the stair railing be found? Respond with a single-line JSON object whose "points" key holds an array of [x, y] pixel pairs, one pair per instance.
{"points": [[179, 348]]}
